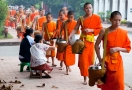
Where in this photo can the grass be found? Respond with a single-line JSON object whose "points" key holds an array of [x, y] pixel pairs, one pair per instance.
{"points": [[9, 36]]}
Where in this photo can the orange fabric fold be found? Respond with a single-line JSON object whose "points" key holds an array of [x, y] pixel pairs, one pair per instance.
{"points": [[114, 62], [87, 56], [69, 57], [51, 26], [40, 22]]}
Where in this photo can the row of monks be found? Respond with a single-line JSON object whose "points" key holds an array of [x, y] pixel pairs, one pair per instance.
{"points": [[90, 26]]}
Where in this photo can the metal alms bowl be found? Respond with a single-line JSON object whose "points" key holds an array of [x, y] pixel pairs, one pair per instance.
{"points": [[95, 67]]}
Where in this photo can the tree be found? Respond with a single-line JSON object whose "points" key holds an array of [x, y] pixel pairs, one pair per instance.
{"points": [[3, 14], [56, 5]]}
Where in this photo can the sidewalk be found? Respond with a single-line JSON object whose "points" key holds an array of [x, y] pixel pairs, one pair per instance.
{"points": [[9, 71]]}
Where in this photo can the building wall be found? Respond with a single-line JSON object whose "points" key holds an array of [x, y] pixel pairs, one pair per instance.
{"points": [[124, 6]]}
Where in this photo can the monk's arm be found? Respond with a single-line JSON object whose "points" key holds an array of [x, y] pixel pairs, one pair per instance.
{"points": [[97, 48], [127, 44], [42, 32], [98, 27], [75, 29], [51, 48], [125, 48]]}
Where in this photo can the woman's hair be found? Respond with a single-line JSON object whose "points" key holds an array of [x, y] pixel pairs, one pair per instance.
{"points": [[87, 3], [29, 31], [114, 14], [37, 38]]}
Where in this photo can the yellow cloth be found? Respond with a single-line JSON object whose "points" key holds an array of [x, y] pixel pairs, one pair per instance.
{"points": [[89, 38]]}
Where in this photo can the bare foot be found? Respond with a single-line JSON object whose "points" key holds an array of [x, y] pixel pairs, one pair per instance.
{"points": [[66, 73], [48, 62], [54, 65], [69, 69], [84, 83], [61, 68], [99, 82]]}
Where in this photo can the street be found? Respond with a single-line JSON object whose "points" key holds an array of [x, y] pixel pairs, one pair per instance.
{"points": [[13, 51]]}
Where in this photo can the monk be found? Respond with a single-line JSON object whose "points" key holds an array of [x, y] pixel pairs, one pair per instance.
{"points": [[90, 27], [12, 23], [40, 19], [65, 10], [69, 58], [117, 41], [48, 29], [32, 16], [20, 22], [28, 21], [59, 22], [34, 12]]}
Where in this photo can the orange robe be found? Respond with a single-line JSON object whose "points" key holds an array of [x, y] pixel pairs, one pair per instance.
{"points": [[69, 57], [28, 21], [87, 56], [40, 22], [114, 62], [59, 56], [12, 24], [21, 22], [33, 15], [51, 26]]}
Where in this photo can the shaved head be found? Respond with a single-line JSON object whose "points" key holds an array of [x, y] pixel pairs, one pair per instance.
{"points": [[65, 10]]}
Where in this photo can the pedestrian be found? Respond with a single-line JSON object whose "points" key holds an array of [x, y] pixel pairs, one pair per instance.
{"points": [[62, 18], [117, 41], [90, 27], [48, 29]]}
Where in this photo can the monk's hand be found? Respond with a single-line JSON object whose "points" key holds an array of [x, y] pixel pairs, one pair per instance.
{"points": [[113, 50], [87, 30]]}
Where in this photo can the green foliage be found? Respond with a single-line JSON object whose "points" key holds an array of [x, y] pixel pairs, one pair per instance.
{"points": [[26, 3], [3, 13], [123, 22], [9, 36], [102, 15], [55, 5], [108, 13]]}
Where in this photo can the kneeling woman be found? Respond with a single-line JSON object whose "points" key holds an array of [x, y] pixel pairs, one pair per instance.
{"points": [[38, 55]]}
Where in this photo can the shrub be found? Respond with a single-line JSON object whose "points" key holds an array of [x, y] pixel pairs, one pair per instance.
{"points": [[3, 13], [123, 22]]}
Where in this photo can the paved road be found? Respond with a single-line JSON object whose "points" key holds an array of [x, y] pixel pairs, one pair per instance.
{"points": [[71, 82]]}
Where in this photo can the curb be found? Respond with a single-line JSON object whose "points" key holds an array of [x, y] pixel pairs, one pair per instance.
{"points": [[9, 43]]}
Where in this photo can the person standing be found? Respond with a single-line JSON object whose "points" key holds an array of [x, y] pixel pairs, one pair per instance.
{"points": [[90, 27], [59, 22], [48, 29], [117, 41]]}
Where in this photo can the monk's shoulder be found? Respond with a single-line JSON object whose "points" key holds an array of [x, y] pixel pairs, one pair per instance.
{"points": [[123, 31], [74, 21], [96, 16]]}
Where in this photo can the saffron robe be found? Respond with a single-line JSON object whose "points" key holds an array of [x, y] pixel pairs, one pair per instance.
{"points": [[40, 22], [87, 56], [114, 62], [51, 26], [59, 56], [69, 57]]}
